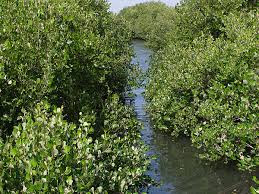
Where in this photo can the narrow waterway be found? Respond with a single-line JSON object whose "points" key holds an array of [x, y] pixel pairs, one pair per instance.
{"points": [[177, 166]]}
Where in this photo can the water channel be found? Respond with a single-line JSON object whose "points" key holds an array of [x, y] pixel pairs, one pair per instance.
{"points": [[177, 166]]}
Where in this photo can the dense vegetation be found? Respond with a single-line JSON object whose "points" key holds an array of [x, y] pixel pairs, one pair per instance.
{"points": [[204, 83], [203, 80], [149, 21], [63, 67]]}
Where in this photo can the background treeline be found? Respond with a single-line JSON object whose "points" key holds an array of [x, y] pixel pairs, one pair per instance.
{"points": [[203, 80], [149, 21], [72, 54]]}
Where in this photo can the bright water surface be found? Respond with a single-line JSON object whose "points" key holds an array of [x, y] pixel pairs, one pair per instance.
{"points": [[177, 165]]}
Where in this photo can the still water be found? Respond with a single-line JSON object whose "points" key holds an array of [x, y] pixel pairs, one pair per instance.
{"points": [[177, 166]]}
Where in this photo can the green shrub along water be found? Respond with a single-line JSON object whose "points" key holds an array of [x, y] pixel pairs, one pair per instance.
{"points": [[63, 67], [149, 21], [203, 80], [47, 154], [69, 53]]}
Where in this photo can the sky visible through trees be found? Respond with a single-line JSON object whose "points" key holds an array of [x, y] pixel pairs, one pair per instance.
{"points": [[117, 5]]}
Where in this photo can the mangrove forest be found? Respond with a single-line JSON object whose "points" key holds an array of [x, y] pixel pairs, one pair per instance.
{"points": [[153, 99]]}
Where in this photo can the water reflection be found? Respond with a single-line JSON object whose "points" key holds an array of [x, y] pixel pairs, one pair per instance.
{"points": [[177, 165]]}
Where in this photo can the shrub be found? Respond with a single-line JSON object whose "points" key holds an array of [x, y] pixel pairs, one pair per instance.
{"points": [[75, 55], [67, 52], [149, 21], [204, 83], [45, 153]]}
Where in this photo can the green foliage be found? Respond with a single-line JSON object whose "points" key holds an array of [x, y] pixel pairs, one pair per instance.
{"points": [[204, 83], [149, 21], [72, 54], [45, 153], [255, 190], [68, 52]]}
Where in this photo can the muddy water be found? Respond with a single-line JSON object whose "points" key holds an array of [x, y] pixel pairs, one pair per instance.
{"points": [[177, 166]]}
